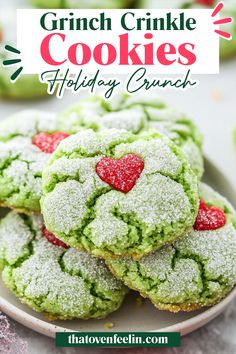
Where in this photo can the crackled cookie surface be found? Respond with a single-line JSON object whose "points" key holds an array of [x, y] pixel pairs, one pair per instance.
{"points": [[52, 278], [26, 141], [114, 193], [137, 114], [198, 270]]}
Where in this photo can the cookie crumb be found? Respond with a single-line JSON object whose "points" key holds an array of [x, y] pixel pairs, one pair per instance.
{"points": [[108, 325], [139, 301], [50, 317]]}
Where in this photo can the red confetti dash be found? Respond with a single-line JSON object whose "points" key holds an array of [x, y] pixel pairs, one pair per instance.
{"points": [[223, 21], [223, 34], [217, 9]]}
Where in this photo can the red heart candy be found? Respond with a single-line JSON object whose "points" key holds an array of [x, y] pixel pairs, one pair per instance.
{"points": [[209, 218], [52, 239], [121, 174], [206, 2], [48, 142]]}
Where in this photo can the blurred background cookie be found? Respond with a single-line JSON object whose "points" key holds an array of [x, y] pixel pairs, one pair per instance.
{"points": [[137, 113]]}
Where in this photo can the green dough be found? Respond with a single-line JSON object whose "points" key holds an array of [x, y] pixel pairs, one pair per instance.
{"points": [[21, 162], [62, 283], [87, 213], [87, 4], [137, 114], [198, 270]]}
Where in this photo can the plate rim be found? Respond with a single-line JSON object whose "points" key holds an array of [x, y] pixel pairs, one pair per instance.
{"points": [[50, 329], [184, 327]]}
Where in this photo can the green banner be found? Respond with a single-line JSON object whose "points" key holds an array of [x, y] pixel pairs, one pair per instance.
{"points": [[117, 339]]}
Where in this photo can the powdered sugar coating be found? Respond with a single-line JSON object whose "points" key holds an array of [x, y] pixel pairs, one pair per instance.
{"points": [[73, 119], [87, 213], [93, 268], [216, 249], [193, 154], [136, 114], [150, 99], [27, 123], [21, 166], [132, 120], [59, 282], [13, 247], [21, 162], [198, 270]]}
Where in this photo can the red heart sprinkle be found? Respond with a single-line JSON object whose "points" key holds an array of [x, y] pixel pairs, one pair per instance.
{"points": [[48, 142], [209, 218], [206, 2], [121, 174], [52, 239]]}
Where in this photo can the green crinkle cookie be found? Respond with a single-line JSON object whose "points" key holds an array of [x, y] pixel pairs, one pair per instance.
{"points": [[198, 270], [137, 114], [88, 213], [25, 88], [21, 162], [228, 49], [62, 283]]}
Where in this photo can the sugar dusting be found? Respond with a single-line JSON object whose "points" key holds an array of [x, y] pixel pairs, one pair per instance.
{"points": [[48, 277], [27, 123], [136, 113], [22, 165], [197, 268], [80, 200], [132, 113], [21, 162], [13, 247]]}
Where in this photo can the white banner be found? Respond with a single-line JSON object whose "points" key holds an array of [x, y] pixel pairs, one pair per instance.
{"points": [[118, 41]]}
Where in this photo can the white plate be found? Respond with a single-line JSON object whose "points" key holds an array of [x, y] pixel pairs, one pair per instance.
{"points": [[128, 317]]}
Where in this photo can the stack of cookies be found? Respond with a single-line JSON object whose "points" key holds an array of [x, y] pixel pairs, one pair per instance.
{"points": [[108, 197]]}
